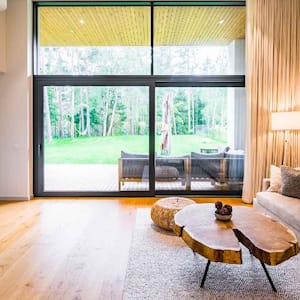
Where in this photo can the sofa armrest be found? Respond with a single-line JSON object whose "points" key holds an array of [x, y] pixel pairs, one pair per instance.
{"points": [[266, 184]]}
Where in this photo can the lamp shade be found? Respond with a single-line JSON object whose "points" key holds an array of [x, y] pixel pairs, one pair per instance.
{"points": [[3, 5], [286, 120]]}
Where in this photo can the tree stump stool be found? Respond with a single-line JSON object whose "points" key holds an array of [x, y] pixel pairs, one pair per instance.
{"points": [[163, 211]]}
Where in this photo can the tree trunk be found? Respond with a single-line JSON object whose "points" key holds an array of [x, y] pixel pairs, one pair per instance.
{"points": [[88, 119], [112, 118], [131, 116], [193, 114], [214, 115], [188, 93], [72, 112], [74, 60], [81, 114], [174, 123], [47, 116], [105, 113], [222, 122], [61, 113]]}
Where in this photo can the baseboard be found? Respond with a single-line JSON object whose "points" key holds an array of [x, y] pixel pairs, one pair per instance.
{"points": [[14, 199]]}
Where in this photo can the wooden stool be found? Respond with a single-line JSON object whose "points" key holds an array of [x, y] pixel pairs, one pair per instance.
{"points": [[163, 211]]}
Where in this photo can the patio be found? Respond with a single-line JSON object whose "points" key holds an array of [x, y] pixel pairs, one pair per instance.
{"points": [[104, 178]]}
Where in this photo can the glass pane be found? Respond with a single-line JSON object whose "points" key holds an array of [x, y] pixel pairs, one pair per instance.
{"points": [[96, 138], [94, 40], [200, 139], [199, 40]]}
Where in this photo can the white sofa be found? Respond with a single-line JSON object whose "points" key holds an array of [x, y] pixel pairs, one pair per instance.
{"points": [[282, 208]]}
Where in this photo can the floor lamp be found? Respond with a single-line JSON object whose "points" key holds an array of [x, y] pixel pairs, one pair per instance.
{"points": [[286, 121]]}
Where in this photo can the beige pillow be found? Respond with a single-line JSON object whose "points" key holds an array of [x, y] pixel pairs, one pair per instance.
{"points": [[275, 179]]}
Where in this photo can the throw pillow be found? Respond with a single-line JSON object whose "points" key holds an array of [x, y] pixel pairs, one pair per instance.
{"points": [[275, 179], [290, 182]]}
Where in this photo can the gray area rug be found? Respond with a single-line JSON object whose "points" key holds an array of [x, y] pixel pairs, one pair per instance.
{"points": [[161, 266]]}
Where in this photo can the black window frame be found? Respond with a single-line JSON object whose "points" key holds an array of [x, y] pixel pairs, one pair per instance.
{"points": [[152, 81]]}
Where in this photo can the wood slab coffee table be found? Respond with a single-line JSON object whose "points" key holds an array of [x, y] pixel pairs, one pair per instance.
{"points": [[268, 240]]}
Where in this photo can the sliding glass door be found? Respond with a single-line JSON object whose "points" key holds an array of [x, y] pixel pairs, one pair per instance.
{"points": [[92, 139], [199, 138]]}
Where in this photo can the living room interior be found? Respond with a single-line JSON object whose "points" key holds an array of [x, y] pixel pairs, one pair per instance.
{"points": [[128, 124]]}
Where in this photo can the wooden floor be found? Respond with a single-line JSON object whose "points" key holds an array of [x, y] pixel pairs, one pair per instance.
{"points": [[68, 248]]}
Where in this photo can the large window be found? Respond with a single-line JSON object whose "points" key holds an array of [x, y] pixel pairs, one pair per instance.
{"points": [[203, 40], [101, 40], [139, 98]]}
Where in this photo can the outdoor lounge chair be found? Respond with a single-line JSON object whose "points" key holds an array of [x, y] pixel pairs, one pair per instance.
{"points": [[135, 168], [208, 167]]}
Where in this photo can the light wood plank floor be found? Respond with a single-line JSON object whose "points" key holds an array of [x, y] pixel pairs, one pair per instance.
{"points": [[68, 248]]}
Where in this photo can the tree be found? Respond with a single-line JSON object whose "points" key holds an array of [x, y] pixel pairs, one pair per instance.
{"points": [[61, 113], [47, 116], [72, 133], [88, 119]]}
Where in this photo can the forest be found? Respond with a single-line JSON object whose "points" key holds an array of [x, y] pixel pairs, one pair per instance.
{"points": [[94, 111]]}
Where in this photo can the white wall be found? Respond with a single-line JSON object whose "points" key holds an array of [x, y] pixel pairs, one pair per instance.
{"points": [[2, 41], [15, 104]]}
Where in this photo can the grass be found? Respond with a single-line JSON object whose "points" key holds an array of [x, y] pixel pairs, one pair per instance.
{"points": [[106, 150]]}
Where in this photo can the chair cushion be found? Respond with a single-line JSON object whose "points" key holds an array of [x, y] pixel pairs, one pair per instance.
{"points": [[207, 155], [133, 155], [166, 172]]}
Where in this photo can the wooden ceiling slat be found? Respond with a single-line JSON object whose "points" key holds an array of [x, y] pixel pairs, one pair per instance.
{"points": [[201, 25], [130, 26]]}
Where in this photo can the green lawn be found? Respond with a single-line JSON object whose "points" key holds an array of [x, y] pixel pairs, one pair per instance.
{"points": [[106, 150]]}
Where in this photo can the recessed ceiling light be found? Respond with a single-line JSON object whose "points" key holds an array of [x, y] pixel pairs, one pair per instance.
{"points": [[221, 22], [81, 21]]}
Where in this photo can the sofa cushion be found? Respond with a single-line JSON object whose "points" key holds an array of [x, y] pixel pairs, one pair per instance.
{"points": [[290, 182], [286, 208]]}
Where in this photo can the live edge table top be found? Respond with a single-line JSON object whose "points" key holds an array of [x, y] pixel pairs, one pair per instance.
{"points": [[268, 240]]}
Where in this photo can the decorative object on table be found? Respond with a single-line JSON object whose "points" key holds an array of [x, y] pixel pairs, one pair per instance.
{"points": [[163, 211], [286, 121], [223, 212]]}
